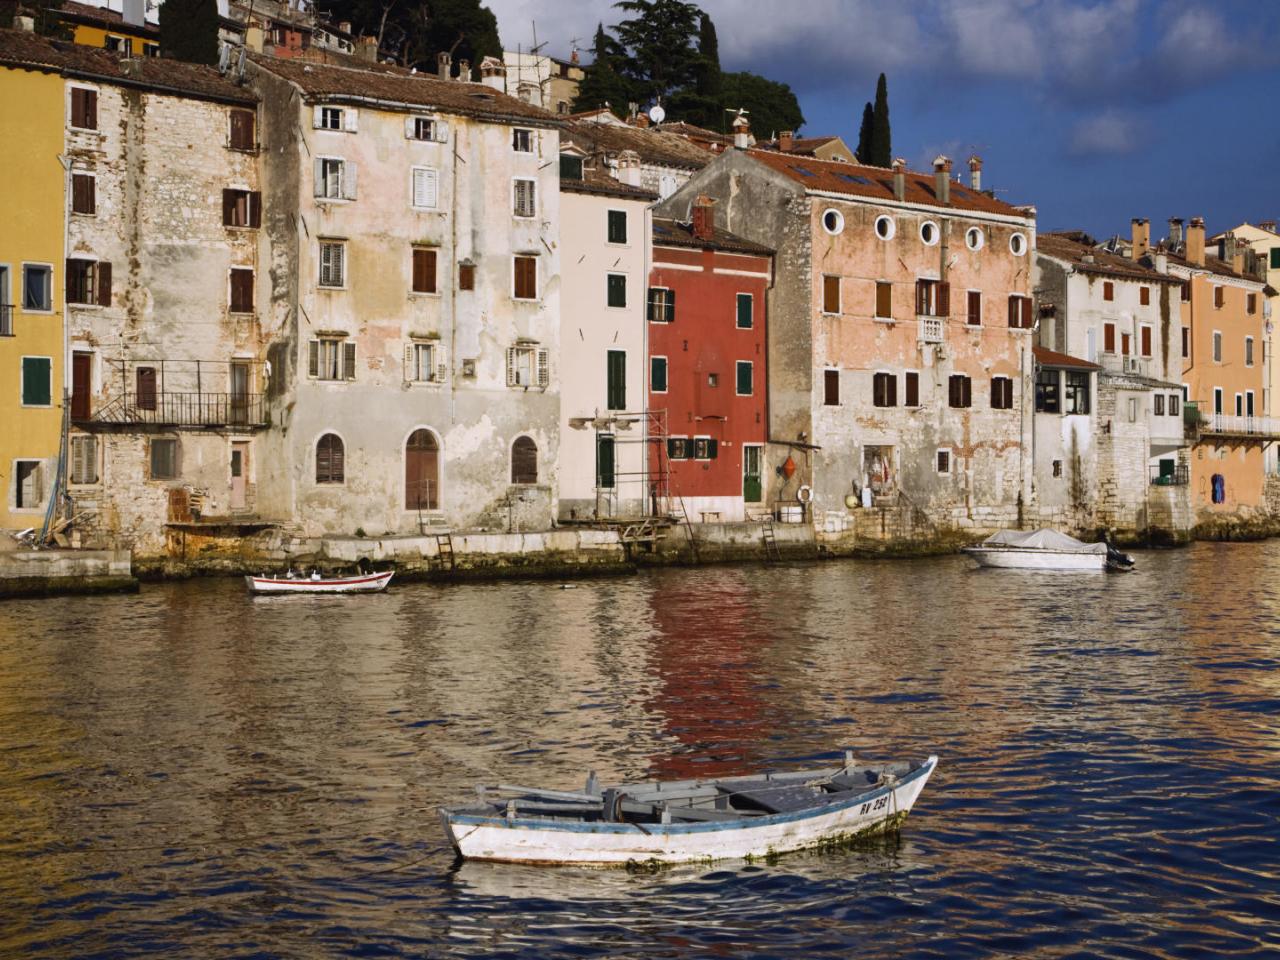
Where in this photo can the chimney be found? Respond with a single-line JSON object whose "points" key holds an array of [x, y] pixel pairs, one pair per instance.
{"points": [[899, 179], [573, 57], [975, 173], [704, 221], [786, 140], [1141, 238], [628, 170], [641, 120], [1175, 232], [443, 70], [25, 24], [135, 12], [741, 132], [464, 71], [1268, 225], [942, 179], [1235, 253], [493, 74], [345, 27], [1195, 241]]}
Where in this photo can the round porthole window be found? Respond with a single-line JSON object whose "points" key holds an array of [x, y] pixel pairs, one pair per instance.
{"points": [[885, 228], [973, 238], [929, 232], [833, 221], [1017, 244]]}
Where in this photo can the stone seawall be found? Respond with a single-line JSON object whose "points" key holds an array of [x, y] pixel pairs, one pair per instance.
{"points": [[35, 573]]}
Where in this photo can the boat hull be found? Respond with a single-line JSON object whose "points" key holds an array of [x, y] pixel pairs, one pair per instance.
{"points": [[279, 585], [1015, 559], [611, 844]]}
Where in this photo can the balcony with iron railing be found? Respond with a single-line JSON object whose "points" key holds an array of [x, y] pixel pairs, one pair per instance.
{"points": [[184, 409], [1241, 428], [6, 319], [1170, 475]]}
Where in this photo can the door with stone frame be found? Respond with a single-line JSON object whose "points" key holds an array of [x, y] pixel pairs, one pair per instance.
{"points": [[239, 476]]}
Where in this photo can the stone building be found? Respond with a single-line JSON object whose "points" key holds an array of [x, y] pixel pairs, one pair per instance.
{"points": [[162, 285], [604, 422], [665, 160], [1130, 475], [414, 225], [899, 336]]}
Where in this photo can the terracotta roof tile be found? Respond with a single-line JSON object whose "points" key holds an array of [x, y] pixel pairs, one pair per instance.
{"points": [[652, 145], [18, 48], [1051, 358], [600, 183], [672, 233], [104, 17], [876, 183], [1064, 246], [348, 77]]}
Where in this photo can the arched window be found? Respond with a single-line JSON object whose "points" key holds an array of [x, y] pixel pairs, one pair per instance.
{"points": [[422, 471], [524, 461], [331, 459]]}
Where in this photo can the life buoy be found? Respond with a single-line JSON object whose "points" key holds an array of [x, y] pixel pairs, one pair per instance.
{"points": [[805, 493]]}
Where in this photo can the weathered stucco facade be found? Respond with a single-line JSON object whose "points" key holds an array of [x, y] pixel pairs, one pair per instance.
{"points": [[165, 358], [878, 381], [603, 418], [414, 225]]}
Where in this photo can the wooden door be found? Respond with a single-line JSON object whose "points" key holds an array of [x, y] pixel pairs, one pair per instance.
{"points": [[81, 383], [146, 389], [239, 392], [422, 472], [239, 475]]}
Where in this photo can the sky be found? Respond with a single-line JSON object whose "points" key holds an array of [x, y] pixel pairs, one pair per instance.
{"points": [[1093, 111]]}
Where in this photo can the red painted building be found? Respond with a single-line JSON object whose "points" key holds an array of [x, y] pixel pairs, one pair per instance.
{"points": [[706, 317]]}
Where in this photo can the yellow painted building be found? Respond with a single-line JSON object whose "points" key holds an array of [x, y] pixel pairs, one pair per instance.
{"points": [[32, 101], [1265, 243], [106, 29]]}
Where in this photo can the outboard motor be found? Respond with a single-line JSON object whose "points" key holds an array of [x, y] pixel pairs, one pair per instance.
{"points": [[1117, 560]]}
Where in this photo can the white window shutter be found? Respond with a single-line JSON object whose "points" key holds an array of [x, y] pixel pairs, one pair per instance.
{"points": [[425, 187], [409, 371], [319, 168], [313, 358], [513, 379], [440, 131], [544, 371], [410, 123], [317, 116], [441, 357], [349, 119], [349, 359], [339, 264], [349, 180]]}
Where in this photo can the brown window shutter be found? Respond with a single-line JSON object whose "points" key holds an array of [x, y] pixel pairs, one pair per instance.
{"points": [[1146, 341], [830, 294], [419, 271], [1013, 311], [349, 359], [429, 266], [1144, 296], [922, 298], [466, 276], [255, 208], [1025, 303], [996, 393], [104, 283], [1109, 337], [953, 391], [1108, 290], [884, 299], [912, 398], [974, 310], [944, 299], [967, 386], [228, 208], [77, 107]]}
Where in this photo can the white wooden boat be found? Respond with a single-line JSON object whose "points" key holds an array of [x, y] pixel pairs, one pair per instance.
{"points": [[688, 820], [1046, 549], [315, 583]]}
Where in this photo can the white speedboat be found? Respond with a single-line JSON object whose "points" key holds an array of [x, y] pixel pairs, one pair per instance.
{"points": [[686, 820], [1046, 549], [315, 583]]}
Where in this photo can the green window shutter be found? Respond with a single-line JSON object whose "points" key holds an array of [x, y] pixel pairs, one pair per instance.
{"points": [[604, 461], [617, 374], [37, 377], [671, 306], [1275, 258], [617, 226], [744, 311], [713, 448], [744, 378], [658, 374], [617, 290]]}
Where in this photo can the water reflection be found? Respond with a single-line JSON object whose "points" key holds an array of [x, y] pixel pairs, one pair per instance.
{"points": [[196, 772]]}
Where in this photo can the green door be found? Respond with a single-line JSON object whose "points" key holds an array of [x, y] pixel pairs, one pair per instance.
{"points": [[752, 488], [604, 461]]}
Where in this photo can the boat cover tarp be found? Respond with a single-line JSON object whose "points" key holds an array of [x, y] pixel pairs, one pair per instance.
{"points": [[1042, 539]]}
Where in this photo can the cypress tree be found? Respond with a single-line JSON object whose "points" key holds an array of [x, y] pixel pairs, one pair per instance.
{"points": [[708, 83], [189, 30], [602, 83], [863, 153], [881, 139]]}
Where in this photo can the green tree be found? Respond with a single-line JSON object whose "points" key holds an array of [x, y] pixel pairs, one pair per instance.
{"points": [[771, 106], [703, 103], [189, 30], [881, 139], [415, 31], [658, 38], [865, 133], [602, 82]]}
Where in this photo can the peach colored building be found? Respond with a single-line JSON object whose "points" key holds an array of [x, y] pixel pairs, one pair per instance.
{"points": [[1224, 378], [899, 342]]}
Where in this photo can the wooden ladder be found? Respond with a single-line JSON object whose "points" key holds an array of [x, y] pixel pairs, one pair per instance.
{"points": [[444, 550], [688, 529], [772, 553]]}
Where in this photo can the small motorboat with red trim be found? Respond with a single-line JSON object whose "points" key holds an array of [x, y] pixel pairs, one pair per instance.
{"points": [[315, 582], [659, 823]]}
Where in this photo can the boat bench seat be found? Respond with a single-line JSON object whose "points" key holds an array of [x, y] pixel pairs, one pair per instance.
{"points": [[775, 797]]}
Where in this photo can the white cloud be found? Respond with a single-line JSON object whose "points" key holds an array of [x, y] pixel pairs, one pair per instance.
{"points": [[1111, 132]]}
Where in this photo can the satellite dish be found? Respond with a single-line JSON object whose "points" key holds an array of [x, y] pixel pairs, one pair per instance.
{"points": [[657, 114]]}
